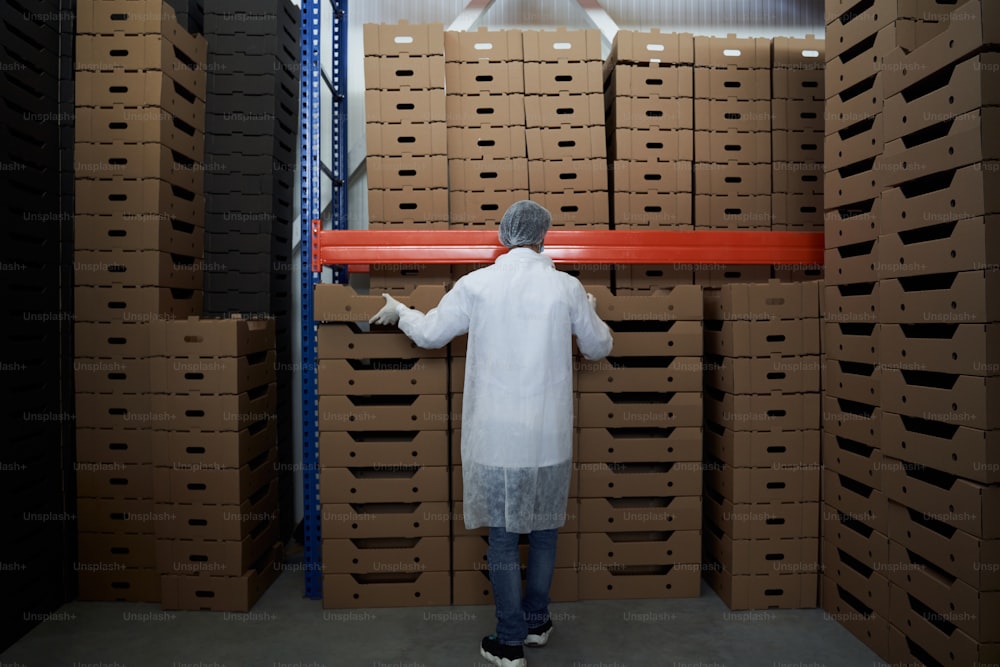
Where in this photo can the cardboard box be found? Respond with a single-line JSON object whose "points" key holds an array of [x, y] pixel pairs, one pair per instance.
{"points": [[486, 110], [863, 101], [727, 274], [798, 53], [421, 207], [474, 143], [97, 551], [481, 209], [341, 303], [762, 591], [648, 548], [114, 480], [647, 278], [837, 11], [343, 591], [658, 337], [734, 115], [732, 84], [488, 174], [663, 410], [113, 446], [348, 413], [797, 116], [854, 303], [112, 376], [575, 209], [956, 450], [564, 110], [483, 45], [93, 232], [865, 544], [212, 558], [183, 484], [212, 450], [624, 582], [228, 593], [855, 263], [378, 520], [963, 297], [473, 587], [637, 374], [549, 78], [680, 303], [800, 85], [385, 449], [218, 522], [560, 45], [117, 515], [138, 90], [858, 182], [123, 585], [405, 106], [177, 53], [763, 449], [954, 37], [639, 479], [403, 39], [772, 484], [853, 459], [967, 192], [213, 412], [841, 606], [218, 375], [681, 513], [345, 340], [406, 139], [139, 268], [667, 48], [861, 503], [761, 520], [759, 338], [960, 554], [404, 72], [904, 648], [652, 144], [962, 400], [645, 113], [639, 445], [491, 78], [578, 144], [732, 51], [853, 380], [111, 17], [802, 212], [799, 146], [763, 375], [963, 245], [652, 210], [383, 376], [760, 557], [469, 552], [852, 419], [403, 554], [115, 411], [733, 211], [863, 57], [384, 483], [103, 161], [662, 80], [853, 223], [762, 301], [725, 146], [138, 197], [650, 177]]}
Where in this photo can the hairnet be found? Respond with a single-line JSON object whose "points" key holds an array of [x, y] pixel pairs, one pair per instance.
{"points": [[524, 223]]}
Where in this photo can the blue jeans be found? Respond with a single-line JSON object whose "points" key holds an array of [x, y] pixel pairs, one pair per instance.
{"points": [[514, 614]]}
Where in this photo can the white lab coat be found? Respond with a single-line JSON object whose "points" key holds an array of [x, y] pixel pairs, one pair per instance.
{"points": [[517, 412]]}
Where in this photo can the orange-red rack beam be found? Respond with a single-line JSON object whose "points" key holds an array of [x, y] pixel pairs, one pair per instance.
{"points": [[598, 246]]}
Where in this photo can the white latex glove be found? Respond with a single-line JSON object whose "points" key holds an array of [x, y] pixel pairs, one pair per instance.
{"points": [[592, 300], [389, 313]]}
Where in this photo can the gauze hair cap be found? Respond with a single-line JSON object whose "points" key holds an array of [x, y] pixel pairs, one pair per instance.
{"points": [[524, 223]]}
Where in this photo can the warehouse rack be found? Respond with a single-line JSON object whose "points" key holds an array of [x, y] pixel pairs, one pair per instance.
{"points": [[345, 250]]}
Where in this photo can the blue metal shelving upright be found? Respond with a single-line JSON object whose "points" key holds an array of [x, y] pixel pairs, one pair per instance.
{"points": [[313, 172]]}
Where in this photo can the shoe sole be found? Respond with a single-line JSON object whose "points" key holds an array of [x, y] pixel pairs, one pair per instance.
{"points": [[536, 641], [502, 662]]}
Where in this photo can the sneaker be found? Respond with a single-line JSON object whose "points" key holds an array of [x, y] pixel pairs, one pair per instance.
{"points": [[539, 636], [502, 655]]}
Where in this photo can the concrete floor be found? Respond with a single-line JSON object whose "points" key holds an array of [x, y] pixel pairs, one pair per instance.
{"points": [[286, 630]]}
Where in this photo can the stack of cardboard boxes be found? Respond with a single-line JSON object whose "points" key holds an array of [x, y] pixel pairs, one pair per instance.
{"points": [[487, 151], [140, 208], [564, 119], [797, 132], [215, 481], [732, 148], [639, 418], [762, 452], [384, 424]]}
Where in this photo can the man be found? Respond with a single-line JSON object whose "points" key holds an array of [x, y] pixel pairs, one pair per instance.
{"points": [[517, 415]]}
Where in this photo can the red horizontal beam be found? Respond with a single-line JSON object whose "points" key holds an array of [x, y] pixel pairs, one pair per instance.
{"points": [[459, 246]]}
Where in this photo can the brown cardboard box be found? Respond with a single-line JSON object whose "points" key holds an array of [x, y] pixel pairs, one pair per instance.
{"points": [[486, 110], [651, 144], [408, 589], [405, 106], [883, 10], [387, 449], [732, 51], [104, 376], [863, 58], [662, 80], [718, 275], [652, 210], [406, 139], [798, 53], [120, 585], [119, 516], [963, 504], [651, 177], [964, 297], [960, 554], [102, 161], [113, 17], [482, 209], [962, 400], [377, 520], [651, 112], [622, 582], [422, 207], [969, 244], [401, 278], [762, 591], [634, 46], [489, 78], [403, 39], [350, 413], [345, 340], [840, 148], [853, 459], [682, 513], [956, 450], [137, 197], [549, 78], [227, 593], [429, 171], [954, 195], [761, 557], [799, 85], [212, 450], [473, 143], [567, 175], [853, 380], [659, 338], [726, 146], [863, 101], [802, 212], [800, 146], [639, 479], [179, 54], [561, 45], [732, 178], [762, 301], [212, 412], [404, 73], [865, 544], [852, 419], [149, 88], [904, 649], [854, 303], [683, 302], [582, 143], [93, 232], [773, 484], [858, 501], [217, 522], [483, 45], [469, 552], [760, 338], [342, 303], [661, 410], [854, 183], [473, 587], [734, 115], [384, 483], [840, 606], [631, 374], [564, 110], [218, 375], [114, 480], [753, 521], [732, 211], [774, 450], [385, 376], [115, 446], [647, 548], [211, 337], [488, 174], [763, 375], [575, 209], [403, 554], [732, 84], [189, 484], [100, 550], [853, 223], [216, 557], [642, 445], [147, 125], [113, 411], [858, 578]]}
